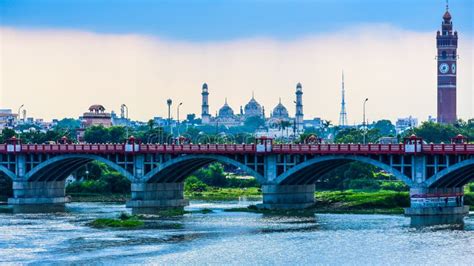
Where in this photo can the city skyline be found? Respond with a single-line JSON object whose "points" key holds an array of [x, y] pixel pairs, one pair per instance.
{"points": [[93, 65]]}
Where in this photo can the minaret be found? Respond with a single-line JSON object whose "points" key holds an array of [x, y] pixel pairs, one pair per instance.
{"points": [[299, 107], [343, 113], [447, 44], [205, 116]]}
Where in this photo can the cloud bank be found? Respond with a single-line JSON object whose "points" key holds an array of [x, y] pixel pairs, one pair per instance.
{"points": [[60, 73]]}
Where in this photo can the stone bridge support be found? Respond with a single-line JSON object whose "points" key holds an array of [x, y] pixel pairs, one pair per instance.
{"points": [[286, 197], [433, 201], [436, 201], [40, 192], [150, 197]]}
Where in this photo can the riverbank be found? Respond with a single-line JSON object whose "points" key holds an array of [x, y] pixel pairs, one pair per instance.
{"points": [[349, 201]]}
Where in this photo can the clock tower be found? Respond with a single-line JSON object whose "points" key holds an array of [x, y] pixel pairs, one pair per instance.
{"points": [[447, 43]]}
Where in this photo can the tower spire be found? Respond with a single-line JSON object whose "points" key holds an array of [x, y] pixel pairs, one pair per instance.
{"points": [[447, 5], [343, 113]]}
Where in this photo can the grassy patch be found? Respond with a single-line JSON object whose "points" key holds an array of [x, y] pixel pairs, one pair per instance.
{"points": [[224, 194], [123, 221], [357, 200]]}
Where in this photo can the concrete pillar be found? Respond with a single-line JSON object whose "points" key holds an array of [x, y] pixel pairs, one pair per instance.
{"points": [[285, 197], [33, 193], [150, 197], [436, 201]]}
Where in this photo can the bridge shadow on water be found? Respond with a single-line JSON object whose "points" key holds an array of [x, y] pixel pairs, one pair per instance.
{"points": [[440, 221]]}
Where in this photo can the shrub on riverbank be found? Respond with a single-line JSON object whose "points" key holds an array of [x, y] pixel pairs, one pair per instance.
{"points": [[359, 199], [124, 221]]}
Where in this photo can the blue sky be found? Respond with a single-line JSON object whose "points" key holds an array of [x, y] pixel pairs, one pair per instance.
{"points": [[210, 20]]}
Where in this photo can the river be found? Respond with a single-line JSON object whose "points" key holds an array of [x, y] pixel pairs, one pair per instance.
{"points": [[237, 238]]}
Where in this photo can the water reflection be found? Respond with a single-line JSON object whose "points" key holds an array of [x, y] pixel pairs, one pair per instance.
{"points": [[223, 237], [456, 221]]}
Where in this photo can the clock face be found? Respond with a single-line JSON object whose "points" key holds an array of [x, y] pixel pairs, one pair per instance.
{"points": [[443, 68], [453, 68]]}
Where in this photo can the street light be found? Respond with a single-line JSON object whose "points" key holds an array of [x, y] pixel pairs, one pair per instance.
{"points": [[169, 102], [363, 122], [177, 114], [125, 107]]}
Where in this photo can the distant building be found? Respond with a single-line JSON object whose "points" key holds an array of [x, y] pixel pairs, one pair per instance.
{"points": [[96, 117], [406, 123], [227, 117], [313, 123], [7, 118]]}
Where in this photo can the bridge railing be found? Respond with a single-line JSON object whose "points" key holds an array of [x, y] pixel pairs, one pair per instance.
{"points": [[238, 148]]}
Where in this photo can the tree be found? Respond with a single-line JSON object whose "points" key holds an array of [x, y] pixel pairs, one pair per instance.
{"points": [[97, 134], [435, 132], [116, 134], [7, 134], [385, 127], [254, 122]]}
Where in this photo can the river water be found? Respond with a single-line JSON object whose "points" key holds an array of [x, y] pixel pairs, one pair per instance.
{"points": [[237, 238]]}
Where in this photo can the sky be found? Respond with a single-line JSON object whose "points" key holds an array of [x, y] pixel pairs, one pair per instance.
{"points": [[59, 57]]}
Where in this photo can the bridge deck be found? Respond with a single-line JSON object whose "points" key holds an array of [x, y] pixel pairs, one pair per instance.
{"points": [[444, 149]]}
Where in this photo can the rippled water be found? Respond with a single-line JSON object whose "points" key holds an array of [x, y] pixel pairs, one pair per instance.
{"points": [[231, 238]]}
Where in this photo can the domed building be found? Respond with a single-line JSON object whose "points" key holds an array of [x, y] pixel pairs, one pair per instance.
{"points": [[226, 111], [280, 112], [253, 108], [226, 116]]}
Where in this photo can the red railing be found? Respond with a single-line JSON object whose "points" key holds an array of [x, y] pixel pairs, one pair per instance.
{"points": [[243, 148]]}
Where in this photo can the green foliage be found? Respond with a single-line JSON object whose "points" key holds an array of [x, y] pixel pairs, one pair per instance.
{"points": [[88, 186], [360, 200], [241, 183], [101, 134], [355, 135], [394, 186], [363, 183], [193, 184], [254, 122], [68, 123], [213, 175], [385, 127], [124, 220], [97, 177], [7, 134], [469, 198], [436, 133]]}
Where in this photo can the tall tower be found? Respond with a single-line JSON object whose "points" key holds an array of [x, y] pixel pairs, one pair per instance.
{"points": [[343, 113], [205, 116], [447, 44], [299, 107]]}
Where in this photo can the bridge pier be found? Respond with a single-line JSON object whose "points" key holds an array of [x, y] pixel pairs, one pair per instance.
{"points": [[437, 202], [38, 192], [287, 197], [152, 197]]}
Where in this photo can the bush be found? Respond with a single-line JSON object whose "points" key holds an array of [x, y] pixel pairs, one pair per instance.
{"points": [[193, 184], [241, 183], [363, 183], [469, 199], [89, 186], [394, 186]]}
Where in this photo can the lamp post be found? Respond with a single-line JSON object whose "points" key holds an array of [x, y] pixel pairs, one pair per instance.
{"points": [[19, 112], [169, 102], [177, 116], [125, 107], [363, 122]]}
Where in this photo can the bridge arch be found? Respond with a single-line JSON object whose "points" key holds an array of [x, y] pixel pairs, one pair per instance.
{"points": [[309, 171], [456, 175], [61, 166], [177, 169], [9, 174]]}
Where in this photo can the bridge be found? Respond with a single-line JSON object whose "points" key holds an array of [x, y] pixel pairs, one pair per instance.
{"points": [[435, 173]]}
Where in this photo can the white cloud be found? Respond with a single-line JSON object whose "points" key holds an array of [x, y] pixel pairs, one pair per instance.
{"points": [[61, 73]]}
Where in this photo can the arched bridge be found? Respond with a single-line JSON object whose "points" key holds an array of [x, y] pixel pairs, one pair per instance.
{"points": [[436, 173]]}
